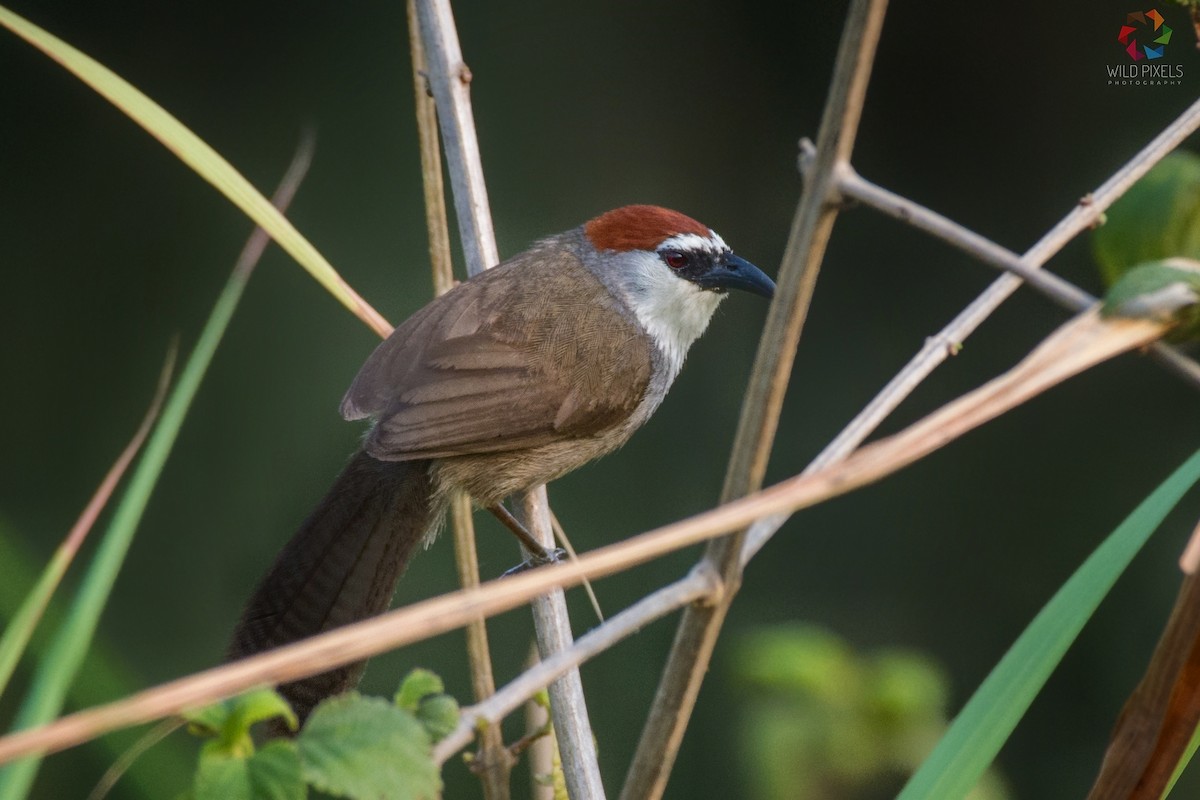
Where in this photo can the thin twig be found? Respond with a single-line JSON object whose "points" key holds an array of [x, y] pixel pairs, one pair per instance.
{"points": [[560, 536], [936, 349], [450, 82], [1061, 291], [696, 635], [699, 583], [494, 764], [362, 640], [119, 767], [1084, 215], [853, 186]]}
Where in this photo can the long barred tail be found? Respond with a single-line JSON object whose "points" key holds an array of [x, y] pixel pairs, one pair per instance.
{"points": [[342, 566]]}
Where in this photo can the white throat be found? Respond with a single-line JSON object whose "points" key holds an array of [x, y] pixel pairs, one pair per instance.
{"points": [[674, 311]]}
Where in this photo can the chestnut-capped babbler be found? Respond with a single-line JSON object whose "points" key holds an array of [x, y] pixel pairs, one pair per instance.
{"points": [[509, 380]]}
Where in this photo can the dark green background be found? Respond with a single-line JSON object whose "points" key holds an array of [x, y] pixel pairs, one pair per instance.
{"points": [[995, 113]]}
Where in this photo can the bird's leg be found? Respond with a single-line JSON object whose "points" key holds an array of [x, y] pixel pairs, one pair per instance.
{"points": [[538, 554]]}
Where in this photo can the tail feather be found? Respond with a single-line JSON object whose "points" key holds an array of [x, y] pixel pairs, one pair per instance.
{"points": [[340, 567]]}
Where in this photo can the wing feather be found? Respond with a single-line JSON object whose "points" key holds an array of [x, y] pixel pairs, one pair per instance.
{"points": [[527, 353]]}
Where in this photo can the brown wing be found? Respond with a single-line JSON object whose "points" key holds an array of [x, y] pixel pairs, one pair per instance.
{"points": [[527, 353]]}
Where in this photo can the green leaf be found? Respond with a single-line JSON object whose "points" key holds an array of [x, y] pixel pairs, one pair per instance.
{"points": [[273, 773], [989, 717], [1158, 218], [438, 713], [230, 720], [423, 694], [417, 685], [1163, 291], [368, 749]]}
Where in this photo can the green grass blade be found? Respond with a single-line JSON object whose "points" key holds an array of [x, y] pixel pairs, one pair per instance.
{"points": [[108, 676], [61, 664], [22, 623], [65, 655], [1183, 762], [988, 718], [198, 155]]}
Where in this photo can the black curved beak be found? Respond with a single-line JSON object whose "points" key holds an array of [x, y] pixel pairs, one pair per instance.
{"points": [[734, 272]]}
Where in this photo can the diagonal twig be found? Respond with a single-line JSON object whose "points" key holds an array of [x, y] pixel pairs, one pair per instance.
{"points": [[854, 186], [1087, 213], [696, 635], [936, 349], [1078, 345], [699, 583]]}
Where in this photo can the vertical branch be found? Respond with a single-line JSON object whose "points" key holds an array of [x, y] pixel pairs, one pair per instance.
{"points": [[696, 636], [495, 762], [568, 709], [436, 223], [450, 79], [450, 82]]}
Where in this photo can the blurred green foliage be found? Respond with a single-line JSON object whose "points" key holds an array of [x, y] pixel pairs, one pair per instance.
{"points": [[1158, 218], [820, 721], [1164, 291]]}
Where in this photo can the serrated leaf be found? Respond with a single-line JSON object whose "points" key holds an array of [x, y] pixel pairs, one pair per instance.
{"points": [[417, 685], [1158, 218], [368, 749], [230, 719], [273, 773], [439, 714]]}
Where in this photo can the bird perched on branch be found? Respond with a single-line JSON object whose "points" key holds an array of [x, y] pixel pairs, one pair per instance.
{"points": [[509, 380]]}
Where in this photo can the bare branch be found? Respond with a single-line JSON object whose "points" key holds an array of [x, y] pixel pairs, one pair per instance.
{"points": [[697, 633], [1080, 343], [1084, 215], [494, 765], [450, 80], [1061, 291], [701, 582], [568, 707]]}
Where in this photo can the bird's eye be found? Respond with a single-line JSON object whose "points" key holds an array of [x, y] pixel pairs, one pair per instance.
{"points": [[675, 259]]}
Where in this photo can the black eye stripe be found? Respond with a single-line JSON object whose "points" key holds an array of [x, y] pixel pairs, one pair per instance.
{"points": [[675, 259]]}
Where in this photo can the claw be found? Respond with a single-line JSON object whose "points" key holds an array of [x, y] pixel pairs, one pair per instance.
{"points": [[551, 557]]}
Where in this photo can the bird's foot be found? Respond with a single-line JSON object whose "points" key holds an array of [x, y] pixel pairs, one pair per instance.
{"points": [[548, 557]]}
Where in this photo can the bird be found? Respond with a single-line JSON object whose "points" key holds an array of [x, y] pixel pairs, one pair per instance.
{"points": [[510, 380]]}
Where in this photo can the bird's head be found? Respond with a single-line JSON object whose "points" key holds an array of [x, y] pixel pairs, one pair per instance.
{"points": [[671, 270]]}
